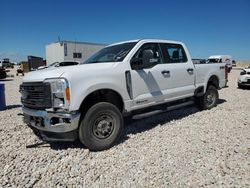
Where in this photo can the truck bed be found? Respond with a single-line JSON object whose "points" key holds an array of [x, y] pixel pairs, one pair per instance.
{"points": [[217, 69]]}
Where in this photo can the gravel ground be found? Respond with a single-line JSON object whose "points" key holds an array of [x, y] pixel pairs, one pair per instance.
{"points": [[181, 148]]}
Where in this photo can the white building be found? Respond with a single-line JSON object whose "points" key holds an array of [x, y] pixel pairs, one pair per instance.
{"points": [[70, 51]]}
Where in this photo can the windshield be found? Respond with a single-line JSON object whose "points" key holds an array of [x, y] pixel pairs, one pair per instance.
{"points": [[114, 53], [214, 60], [53, 64], [67, 63]]}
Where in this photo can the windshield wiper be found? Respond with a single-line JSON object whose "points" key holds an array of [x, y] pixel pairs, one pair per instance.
{"points": [[94, 62], [97, 62]]}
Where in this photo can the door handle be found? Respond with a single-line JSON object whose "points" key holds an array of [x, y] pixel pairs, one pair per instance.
{"points": [[190, 70], [165, 73]]}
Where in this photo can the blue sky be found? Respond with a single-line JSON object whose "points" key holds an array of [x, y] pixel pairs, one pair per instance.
{"points": [[207, 27]]}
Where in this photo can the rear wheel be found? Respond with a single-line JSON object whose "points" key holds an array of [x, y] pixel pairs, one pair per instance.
{"points": [[101, 127], [209, 99]]}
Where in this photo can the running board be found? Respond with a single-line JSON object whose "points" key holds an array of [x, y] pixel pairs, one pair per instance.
{"points": [[174, 107]]}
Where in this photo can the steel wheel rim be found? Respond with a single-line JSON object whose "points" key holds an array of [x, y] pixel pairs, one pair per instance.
{"points": [[103, 126], [210, 98]]}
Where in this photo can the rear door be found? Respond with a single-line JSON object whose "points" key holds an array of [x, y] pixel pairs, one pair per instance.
{"points": [[181, 81]]}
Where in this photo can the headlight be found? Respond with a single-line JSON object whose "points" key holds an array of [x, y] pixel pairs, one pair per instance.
{"points": [[60, 93], [243, 72]]}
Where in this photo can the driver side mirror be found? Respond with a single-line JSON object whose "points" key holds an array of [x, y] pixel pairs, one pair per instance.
{"points": [[147, 58], [146, 61]]}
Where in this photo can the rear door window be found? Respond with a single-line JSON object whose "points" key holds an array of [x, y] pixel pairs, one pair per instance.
{"points": [[173, 53]]}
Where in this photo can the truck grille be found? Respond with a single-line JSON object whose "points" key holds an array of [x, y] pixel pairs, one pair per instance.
{"points": [[36, 95]]}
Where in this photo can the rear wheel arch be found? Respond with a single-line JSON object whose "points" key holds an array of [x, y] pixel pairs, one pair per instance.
{"points": [[214, 81]]}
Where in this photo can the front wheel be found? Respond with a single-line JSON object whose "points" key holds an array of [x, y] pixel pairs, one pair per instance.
{"points": [[101, 127], [209, 99]]}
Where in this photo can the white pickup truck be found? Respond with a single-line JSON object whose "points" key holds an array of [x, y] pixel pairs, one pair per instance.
{"points": [[133, 78], [222, 59]]}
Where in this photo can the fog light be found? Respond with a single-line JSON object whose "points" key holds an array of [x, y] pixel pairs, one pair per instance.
{"points": [[54, 121], [66, 120]]}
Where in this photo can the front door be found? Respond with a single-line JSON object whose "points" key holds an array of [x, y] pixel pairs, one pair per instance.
{"points": [[148, 84]]}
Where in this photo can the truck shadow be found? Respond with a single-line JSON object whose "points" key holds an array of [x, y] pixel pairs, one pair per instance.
{"points": [[9, 107], [66, 145], [6, 80], [57, 145], [220, 101], [13, 106], [133, 127], [138, 126]]}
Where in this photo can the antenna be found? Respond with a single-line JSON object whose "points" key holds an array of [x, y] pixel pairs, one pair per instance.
{"points": [[59, 40], [75, 50]]}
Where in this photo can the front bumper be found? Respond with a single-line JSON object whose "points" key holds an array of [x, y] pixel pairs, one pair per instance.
{"points": [[52, 126], [244, 84]]}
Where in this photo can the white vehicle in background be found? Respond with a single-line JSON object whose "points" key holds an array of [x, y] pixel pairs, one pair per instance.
{"points": [[222, 59], [244, 79]]}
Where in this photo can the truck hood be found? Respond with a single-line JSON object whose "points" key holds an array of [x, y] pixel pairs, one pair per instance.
{"points": [[56, 72]]}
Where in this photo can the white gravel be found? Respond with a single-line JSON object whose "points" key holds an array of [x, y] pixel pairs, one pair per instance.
{"points": [[182, 148]]}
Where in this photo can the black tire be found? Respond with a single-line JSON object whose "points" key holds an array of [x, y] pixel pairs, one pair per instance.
{"points": [[209, 99], [3, 75], [101, 127], [240, 86]]}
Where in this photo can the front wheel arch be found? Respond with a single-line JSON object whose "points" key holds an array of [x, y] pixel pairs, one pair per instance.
{"points": [[101, 95]]}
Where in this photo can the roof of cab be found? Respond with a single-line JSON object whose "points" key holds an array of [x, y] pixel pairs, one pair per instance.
{"points": [[219, 56], [147, 40]]}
